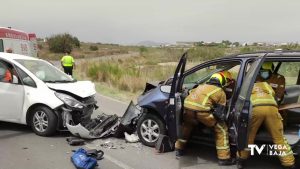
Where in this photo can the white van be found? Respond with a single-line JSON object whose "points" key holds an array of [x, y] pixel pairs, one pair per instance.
{"points": [[34, 92]]}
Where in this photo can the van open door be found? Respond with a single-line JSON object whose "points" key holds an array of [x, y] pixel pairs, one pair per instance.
{"points": [[175, 107], [243, 106]]}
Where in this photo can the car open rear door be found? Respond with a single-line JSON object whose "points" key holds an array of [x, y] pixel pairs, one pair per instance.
{"points": [[174, 99], [243, 105]]}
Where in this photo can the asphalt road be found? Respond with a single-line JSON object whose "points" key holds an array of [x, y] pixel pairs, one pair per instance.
{"points": [[20, 148]]}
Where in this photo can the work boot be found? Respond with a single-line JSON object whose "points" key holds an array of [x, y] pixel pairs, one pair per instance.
{"points": [[229, 161], [240, 163], [178, 153]]}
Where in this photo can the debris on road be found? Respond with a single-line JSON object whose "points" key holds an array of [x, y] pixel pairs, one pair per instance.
{"points": [[74, 141], [106, 125], [133, 138], [102, 126]]}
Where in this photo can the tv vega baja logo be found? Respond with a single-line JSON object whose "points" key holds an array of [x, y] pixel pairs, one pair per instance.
{"points": [[268, 149]]}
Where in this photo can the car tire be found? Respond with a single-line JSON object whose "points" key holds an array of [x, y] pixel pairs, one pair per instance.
{"points": [[43, 121], [149, 127]]}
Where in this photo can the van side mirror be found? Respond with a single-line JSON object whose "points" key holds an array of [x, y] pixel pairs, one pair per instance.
{"points": [[15, 80]]}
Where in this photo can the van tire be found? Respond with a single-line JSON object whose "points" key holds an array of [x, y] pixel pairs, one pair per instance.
{"points": [[149, 127], [43, 121]]}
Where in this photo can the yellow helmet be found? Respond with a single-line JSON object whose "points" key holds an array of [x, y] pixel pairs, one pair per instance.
{"points": [[226, 74], [267, 66], [218, 78]]}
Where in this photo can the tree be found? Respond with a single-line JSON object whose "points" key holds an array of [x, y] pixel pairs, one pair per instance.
{"points": [[236, 44], [226, 42], [61, 43]]}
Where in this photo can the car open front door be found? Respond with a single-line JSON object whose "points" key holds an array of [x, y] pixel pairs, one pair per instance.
{"points": [[243, 105], [174, 107]]}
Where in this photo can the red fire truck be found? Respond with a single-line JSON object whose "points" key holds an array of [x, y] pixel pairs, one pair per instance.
{"points": [[16, 41]]}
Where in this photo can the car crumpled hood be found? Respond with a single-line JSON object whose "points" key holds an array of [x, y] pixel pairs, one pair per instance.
{"points": [[80, 88]]}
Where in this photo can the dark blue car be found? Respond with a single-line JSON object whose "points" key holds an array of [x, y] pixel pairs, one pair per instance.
{"points": [[161, 105]]}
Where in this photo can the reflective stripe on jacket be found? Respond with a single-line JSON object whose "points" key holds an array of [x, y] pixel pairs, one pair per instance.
{"points": [[204, 97], [67, 60], [262, 94]]}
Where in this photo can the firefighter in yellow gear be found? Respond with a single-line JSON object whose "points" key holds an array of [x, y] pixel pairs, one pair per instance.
{"points": [[230, 84], [198, 106], [265, 111], [68, 63], [275, 80]]}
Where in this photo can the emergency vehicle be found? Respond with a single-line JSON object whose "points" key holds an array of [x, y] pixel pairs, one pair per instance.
{"points": [[19, 42]]}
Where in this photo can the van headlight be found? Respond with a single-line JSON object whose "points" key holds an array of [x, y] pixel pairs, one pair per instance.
{"points": [[69, 100]]}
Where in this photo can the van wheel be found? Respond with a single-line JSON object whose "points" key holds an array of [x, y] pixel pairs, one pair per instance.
{"points": [[149, 128], [43, 121]]}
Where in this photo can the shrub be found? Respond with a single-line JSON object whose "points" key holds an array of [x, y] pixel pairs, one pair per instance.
{"points": [[61, 43], [93, 48], [245, 50]]}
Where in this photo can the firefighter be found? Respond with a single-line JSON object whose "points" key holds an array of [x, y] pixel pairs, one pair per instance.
{"points": [[265, 111], [68, 63], [198, 106], [276, 80], [230, 85]]}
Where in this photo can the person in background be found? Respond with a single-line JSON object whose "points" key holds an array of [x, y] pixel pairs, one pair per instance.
{"points": [[68, 63], [275, 80]]}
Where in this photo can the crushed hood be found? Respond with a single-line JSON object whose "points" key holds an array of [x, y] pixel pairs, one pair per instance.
{"points": [[80, 88]]}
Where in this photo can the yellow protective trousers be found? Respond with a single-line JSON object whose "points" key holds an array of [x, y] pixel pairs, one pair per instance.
{"points": [[191, 118], [270, 117]]}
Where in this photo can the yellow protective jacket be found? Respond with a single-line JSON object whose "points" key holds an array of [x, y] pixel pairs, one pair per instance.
{"points": [[263, 95], [277, 82], [204, 97], [67, 60]]}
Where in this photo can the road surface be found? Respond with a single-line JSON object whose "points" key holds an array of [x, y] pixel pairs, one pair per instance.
{"points": [[20, 148]]}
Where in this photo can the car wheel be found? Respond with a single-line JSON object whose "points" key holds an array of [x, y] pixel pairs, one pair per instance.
{"points": [[43, 121], [149, 128]]}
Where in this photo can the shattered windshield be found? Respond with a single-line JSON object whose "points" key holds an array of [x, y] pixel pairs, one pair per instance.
{"points": [[45, 71]]}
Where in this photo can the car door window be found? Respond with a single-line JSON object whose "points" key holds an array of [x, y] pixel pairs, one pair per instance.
{"points": [[290, 70], [203, 74], [8, 73], [26, 79]]}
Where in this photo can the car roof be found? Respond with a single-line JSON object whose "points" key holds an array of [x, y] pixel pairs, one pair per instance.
{"points": [[12, 56], [275, 54]]}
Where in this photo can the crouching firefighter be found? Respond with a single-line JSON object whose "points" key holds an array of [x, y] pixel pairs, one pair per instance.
{"points": [[265, 112], [199, 106]]}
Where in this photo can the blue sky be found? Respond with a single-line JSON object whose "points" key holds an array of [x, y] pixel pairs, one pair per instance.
{"points": [[132, 21]]}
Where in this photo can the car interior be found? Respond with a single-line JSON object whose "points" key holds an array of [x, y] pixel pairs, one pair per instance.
{"points": [[291, 72]]}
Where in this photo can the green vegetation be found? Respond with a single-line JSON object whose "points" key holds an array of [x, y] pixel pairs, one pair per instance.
{"points": [[93, 48], [125, 77], [61, 43], [84, 51]]}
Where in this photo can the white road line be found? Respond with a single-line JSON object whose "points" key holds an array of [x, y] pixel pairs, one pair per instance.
{"points": [[117, 162]]}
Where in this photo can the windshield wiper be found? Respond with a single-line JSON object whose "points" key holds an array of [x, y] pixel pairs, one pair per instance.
{"points": [[65, 81], [60, 81], [50, 81]]}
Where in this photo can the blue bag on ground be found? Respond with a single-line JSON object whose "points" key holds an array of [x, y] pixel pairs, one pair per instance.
{"points": [[82, 161]]}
